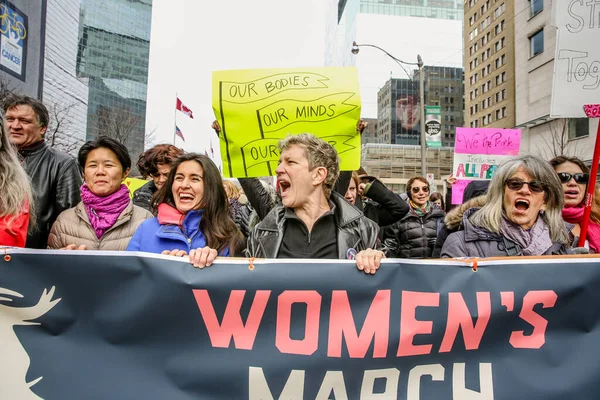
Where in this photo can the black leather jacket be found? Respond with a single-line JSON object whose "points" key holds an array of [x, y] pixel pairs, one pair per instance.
{"points": [[355, 231], [143, 196], [56, 182]]}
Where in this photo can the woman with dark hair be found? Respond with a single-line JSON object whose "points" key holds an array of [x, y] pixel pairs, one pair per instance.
{"points": [[574, 176], [106, 218], [16, 202], [155, 163], [437, 198], [193, 217], [521, 215], [414, 235]]}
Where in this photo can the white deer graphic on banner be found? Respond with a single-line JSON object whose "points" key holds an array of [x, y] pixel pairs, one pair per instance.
{"points": [[14, 360]]}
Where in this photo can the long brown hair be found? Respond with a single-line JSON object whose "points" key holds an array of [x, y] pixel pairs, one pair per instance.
{"points": [[216, 225]]}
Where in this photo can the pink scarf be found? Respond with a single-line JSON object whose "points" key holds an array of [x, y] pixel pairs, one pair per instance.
{"points": [[104, 211], [574, 215]]}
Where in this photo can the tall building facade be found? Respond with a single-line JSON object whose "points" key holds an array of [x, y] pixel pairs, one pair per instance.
{"points": [[398, 108], [113, 54], [64, 93], [489, 63], [535, 48]]}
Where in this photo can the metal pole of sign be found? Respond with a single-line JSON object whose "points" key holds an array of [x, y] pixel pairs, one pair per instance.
{"points": [[422, 111]]}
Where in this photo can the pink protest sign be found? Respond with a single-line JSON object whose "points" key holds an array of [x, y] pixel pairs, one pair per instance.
{"points": [[487, 141], [478, 152]]}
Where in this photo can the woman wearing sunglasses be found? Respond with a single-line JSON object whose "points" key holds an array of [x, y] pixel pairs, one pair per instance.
{"points": [[574, 176], [522, 215], [415, 234]]}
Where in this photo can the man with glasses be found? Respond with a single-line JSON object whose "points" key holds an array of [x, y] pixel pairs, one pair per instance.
{"points": [[414, 235]]}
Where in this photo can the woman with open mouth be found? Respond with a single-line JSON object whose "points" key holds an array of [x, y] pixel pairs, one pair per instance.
{"points": [[522, 215], [575, 176], [193, 216]]}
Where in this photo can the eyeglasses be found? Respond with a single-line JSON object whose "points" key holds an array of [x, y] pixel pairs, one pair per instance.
{"points": [[517, 184], [416, 189], [579, 178]]}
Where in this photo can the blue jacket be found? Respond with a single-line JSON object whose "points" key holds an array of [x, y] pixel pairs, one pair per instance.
{"points": [[153, 237]]}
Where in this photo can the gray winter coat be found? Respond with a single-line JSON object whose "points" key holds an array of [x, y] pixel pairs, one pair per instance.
{"points": [[354, 230], [474, 241]]}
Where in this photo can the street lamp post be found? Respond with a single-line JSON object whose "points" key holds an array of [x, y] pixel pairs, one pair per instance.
{"points": [[419, 64], [422, 110]]}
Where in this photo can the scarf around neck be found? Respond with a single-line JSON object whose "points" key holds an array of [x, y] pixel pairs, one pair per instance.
{"points": [[574, 215], [420, 211], [103, 212], [534, 241]]}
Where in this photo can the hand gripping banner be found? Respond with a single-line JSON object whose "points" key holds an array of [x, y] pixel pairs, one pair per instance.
{"points": [[103, 325]]}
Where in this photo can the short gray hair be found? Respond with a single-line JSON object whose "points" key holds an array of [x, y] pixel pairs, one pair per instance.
{"points": [[490, 215], [319, 154]]}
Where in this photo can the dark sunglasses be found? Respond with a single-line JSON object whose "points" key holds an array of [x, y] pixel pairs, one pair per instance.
{"points": [[579, 178], [517, 184], [416, 189]]}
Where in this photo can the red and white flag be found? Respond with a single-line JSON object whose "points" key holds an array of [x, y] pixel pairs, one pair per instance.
{"points": [[182, 107]]}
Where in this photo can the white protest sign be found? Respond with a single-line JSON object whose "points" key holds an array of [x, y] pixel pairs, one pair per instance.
{"points": [[576, 78]]}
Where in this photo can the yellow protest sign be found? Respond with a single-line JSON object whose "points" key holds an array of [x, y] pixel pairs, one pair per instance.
{"points": [[134, 184], [256, 108]]}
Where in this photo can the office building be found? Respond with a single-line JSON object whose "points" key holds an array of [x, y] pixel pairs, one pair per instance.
{"points": [[399, 105], [489, 63], [114, 45]]}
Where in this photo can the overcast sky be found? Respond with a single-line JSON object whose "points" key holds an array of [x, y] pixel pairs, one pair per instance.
{"points": [[190, 39]]}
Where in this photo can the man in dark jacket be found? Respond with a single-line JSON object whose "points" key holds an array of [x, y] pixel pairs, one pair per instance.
{"points": [[55, 176], [313, 222]]}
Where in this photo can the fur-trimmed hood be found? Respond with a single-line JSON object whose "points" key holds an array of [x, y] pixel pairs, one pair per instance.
{"points": [[454, 217]]}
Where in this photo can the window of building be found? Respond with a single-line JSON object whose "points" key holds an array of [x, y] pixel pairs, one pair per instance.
{"points": [[475, 47], [503, 112], [470, 21], [476, 92], [483, 88], [536, 43], [483, 41], [504, 77], [497, 115], [497, 80], [578, 127], [489, 52], [497, 29], [483, 105], [489, 101], [536, 6], [489, 85], [476, 108], [503, 42], [484, 120], [482, 72], [489, 68], [503, 94], [497, 97], [497, 46], [497, 63], [489, 118], [503, 59], [476, 123]]}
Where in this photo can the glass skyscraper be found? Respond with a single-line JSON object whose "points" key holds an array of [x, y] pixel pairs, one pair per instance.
{"points": [[113, 53]]}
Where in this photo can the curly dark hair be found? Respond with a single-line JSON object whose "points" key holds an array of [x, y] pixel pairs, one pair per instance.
{"points": [[159, 154]]}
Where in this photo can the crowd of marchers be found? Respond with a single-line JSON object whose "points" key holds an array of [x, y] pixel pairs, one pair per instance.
{"points": [[51, 200]]}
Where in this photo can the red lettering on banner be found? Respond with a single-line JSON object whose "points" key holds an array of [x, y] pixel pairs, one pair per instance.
{"points": [[410, 326], [460, 317], [232, 325], [375, 328], [547, 298], [310, 343]]}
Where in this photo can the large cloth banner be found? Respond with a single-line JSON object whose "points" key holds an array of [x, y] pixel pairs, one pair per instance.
{"points": [[256, 108], [478, 152], [98, 325]]}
